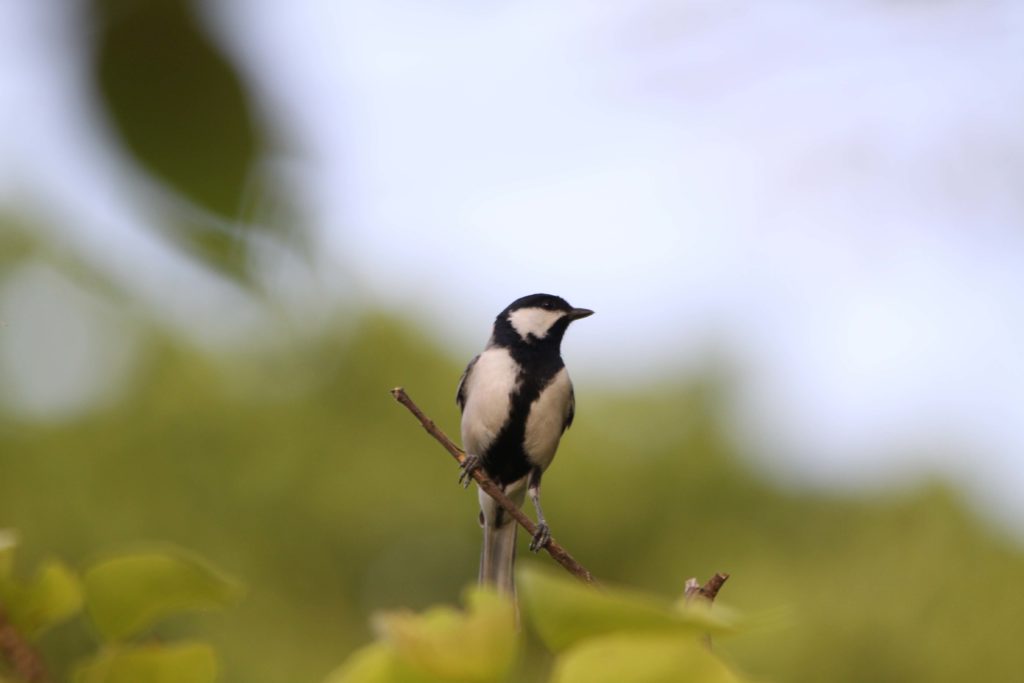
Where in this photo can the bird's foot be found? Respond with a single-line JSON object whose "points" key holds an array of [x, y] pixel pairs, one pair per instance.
{"points": [[541, 537], [470, 464]]}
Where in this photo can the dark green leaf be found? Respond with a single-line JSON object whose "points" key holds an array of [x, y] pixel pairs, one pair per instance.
{"points": [[176, 102]]}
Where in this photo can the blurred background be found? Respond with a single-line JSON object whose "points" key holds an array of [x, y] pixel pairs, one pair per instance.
{"points": [[227, 229]]}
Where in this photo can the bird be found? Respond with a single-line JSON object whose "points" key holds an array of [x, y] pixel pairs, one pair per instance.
{"points": [[516, 400]]}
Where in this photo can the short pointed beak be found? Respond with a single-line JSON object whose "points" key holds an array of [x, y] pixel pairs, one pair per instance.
{"points": [[577, 313]]}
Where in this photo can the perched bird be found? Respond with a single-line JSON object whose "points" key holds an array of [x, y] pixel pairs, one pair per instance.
{"points": [[516, 401]]}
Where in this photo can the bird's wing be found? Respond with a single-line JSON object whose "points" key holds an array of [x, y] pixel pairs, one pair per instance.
{"points": [[460, 396], [570, 413]]}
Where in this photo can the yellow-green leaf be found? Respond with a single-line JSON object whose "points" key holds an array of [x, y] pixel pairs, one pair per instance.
{"points": [[125, 595], [377, 663], [372, 664], [175, 663], [476, 645], [649, 658], [563, 611], [54, 595]]}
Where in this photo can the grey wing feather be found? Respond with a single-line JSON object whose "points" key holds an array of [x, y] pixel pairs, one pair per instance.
{"points": [[460, 396]]}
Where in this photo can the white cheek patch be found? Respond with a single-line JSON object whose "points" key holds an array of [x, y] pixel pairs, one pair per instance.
{"points": [[535, 321]]}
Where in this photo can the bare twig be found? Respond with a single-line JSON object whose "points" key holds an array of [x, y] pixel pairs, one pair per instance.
{"points": [[560, 555], [24, 660], [708, 591], [692, 590]]}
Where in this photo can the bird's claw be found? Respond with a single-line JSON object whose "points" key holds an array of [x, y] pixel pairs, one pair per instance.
{"points": [[541, 537], [470, 464]]}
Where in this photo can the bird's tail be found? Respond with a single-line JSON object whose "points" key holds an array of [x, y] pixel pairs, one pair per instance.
{"points": [[499, 555]]}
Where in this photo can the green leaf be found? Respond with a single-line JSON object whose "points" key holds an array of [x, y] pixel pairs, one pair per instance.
{"points": [[564, 611], [650, 658], [372, 664], [186, 662], [476, 645], [182, 110], [441, 645], [377, 663], [177, 103], [54, 595], [125, 595]]}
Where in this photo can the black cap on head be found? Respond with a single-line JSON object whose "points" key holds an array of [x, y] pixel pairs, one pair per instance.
{"points": [[546, 301]]}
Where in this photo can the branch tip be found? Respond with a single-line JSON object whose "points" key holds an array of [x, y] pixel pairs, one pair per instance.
{"points": [[692, 588]]}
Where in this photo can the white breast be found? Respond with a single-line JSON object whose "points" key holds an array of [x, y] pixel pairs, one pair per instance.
{"points": [[488, 389], [546, 422]]}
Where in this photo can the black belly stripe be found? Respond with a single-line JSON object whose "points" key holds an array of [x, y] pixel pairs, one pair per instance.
{"points": [[505, 460]]}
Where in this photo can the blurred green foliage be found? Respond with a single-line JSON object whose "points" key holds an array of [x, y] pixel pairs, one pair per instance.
{"points": [[52, 596], [56, 595], [441, 645], [125, 594], [565, 613], [296, 470], [600, 634], [183, 662]]}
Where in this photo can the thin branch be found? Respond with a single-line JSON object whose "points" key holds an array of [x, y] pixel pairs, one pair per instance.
{"points": [[692, 590], [560, 555], [24, 660], [708, 591]]}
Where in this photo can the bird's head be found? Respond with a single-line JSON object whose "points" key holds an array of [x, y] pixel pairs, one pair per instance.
{"points": [[536, 318]]}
